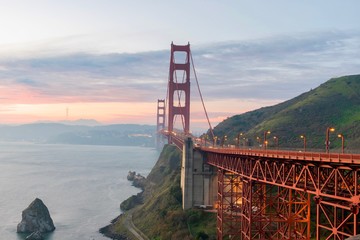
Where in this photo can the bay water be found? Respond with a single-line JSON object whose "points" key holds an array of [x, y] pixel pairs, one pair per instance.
{"points": [[82, 186]]}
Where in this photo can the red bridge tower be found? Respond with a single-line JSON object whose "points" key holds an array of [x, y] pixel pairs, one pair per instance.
{"points": [[179, 92], [160, 123]]}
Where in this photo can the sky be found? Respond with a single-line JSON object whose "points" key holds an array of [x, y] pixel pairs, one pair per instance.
{"points": [[109, 59]]}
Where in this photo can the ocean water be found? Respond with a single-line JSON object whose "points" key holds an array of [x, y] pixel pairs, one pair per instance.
{"points": [[82, 186]]}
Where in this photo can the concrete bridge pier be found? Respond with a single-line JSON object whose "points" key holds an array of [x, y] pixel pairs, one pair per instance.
{"points": [[198, 179]]}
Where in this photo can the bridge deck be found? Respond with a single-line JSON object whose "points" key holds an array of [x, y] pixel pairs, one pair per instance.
{"points": [[288, 155]]}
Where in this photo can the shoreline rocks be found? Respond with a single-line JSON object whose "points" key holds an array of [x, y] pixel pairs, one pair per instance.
{"points": [[109, 232], [138, 180], [36, 220]]}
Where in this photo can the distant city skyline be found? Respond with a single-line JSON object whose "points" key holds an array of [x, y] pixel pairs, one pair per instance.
{"points": [[108, 60]]}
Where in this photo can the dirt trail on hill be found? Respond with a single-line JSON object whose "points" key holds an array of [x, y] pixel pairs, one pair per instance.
{"points": [[128, 223]]}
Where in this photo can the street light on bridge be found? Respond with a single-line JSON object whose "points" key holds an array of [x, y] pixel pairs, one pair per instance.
{"points": [[214, 141], [238, 139], [327, 142], [266, 142], [276, 140], [304, 137], [342, 142]]}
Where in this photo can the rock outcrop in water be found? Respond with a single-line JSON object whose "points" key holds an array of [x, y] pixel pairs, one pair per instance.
{"points": [[36, 218], [138, 180]]}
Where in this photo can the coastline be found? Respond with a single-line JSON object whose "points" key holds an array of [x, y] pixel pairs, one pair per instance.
{"points": [[109, 231], [156, 211]]}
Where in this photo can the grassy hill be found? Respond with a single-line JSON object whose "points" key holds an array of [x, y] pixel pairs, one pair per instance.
{"points": [[336, 103], [158, 213], [69, 133]]}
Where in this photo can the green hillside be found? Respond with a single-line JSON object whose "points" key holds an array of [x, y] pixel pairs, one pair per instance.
{"points": [[157, 211], [161, 216], [336, 103]]}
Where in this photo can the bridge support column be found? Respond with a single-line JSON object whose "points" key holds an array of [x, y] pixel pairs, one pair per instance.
{"points": [[293, 214], [336, 219], [198, 183], [246, 210], [273, 212], [187, 174], [229, 205]]}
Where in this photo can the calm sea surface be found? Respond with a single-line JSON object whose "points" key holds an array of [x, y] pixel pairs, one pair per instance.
{"points": [[82, 186]]}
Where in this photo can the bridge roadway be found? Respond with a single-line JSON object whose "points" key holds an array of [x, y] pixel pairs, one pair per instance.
{"points": [[331, 179]]}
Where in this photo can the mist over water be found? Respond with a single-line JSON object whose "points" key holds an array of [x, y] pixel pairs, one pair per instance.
{"points": [[82, 186]]}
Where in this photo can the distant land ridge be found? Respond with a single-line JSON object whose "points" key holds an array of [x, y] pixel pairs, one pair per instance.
{"points": [[59, 133]]}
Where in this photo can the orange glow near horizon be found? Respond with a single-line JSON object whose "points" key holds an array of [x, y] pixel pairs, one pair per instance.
{"points": [[109, 112], [120, 112]]}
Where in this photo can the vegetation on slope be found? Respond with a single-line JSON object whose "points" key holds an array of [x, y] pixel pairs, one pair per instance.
{"points": [[335, 103], [161, 215]]}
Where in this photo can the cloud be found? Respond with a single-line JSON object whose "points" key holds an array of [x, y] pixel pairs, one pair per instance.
{"points": [[270, 69], [276, 68], [27, 82]]}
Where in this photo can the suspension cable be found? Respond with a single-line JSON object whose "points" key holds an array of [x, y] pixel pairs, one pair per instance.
{"points": [[201, 97]]}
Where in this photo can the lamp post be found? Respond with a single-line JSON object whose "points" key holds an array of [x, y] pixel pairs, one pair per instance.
{"points": [[342, 142], [276, 140], [304, 137], [327, 142], [238, 139], [266, 142], [215, 140]]}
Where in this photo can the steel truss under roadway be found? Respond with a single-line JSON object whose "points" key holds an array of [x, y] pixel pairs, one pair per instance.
{"points": [[269, 194]]}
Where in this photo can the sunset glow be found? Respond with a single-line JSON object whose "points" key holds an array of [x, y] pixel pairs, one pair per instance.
{"points": [[111, 112], [104, 62]]}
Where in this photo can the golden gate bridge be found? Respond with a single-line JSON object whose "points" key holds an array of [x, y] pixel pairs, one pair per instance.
{"points": [[259, 193]]}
